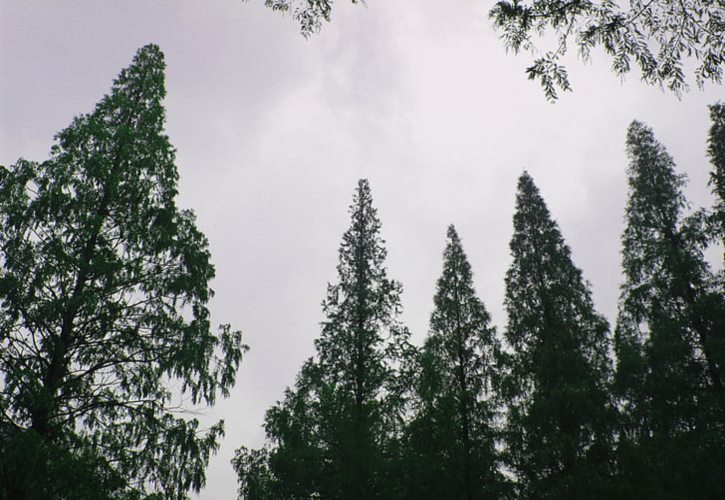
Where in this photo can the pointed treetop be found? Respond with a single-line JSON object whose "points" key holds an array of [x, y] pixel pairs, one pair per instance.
{"points": [[454, 257], [556, 373], [543, 268], [363, 186], [527, 187], [140, 85], [362, 244], [531, 210], [452, 234], [124, 136], [525, 177], [363, 196], [656, 198], [454, 416], [650, 163], [456, 278], [639, 133], [148, 66], [364, 301], [459, 315]]}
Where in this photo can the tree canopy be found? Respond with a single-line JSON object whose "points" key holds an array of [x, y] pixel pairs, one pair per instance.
{"points": [[104, 325], [659, 37]]}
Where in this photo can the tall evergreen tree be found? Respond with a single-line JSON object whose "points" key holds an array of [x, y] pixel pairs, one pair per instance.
{"points": [[335, 434], [451, 445], [103, 292], [558, 428], [716, 151], [669, 337]]}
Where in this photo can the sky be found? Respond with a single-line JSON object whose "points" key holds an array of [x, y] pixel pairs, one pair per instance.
{"points": [[272, 132]]}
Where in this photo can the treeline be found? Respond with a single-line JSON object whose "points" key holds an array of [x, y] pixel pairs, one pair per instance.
{"points": [[557, 405], [104, 329]]}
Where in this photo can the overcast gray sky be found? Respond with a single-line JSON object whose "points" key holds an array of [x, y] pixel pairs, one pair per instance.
{"points": [[273, 131]]}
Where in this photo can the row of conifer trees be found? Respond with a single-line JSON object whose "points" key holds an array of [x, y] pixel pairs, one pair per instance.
{"points": [[104, 286], [557, 405]]}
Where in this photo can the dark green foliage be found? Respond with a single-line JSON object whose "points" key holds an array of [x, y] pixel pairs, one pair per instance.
{"points": [[103, 290], [336, 433], [309, 13], [559, 421], [349, 429], [716, 150], [255, 478], [655, 36], [451, 439], [294, 428], [669, 338]]}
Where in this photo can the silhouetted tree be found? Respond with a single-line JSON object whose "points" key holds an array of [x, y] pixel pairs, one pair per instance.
{"points": [[103, 290], [451, 445], [716, 151], [559, 420], [336, 433], [669, 338]]}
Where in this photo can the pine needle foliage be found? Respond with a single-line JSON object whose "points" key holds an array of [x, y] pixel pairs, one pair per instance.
{"points": [[336, 433], [556, 386], [669, 337], [452, 436], [716, 151]]}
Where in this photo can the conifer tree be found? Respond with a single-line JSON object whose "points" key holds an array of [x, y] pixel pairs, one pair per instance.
{"points": [[716, 151], [451, 438], [558, 428], [103, 290], [669, 337], [335, 434]]}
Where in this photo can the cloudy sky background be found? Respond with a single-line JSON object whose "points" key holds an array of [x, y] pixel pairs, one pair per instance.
{"points": [[273, 132]]}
